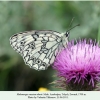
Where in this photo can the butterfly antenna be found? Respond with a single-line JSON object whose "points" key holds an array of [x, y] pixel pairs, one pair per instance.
{"points": [[71, 22], [73, 27]]}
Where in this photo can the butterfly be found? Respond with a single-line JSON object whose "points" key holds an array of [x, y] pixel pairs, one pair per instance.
{"points": [[39, 48]]}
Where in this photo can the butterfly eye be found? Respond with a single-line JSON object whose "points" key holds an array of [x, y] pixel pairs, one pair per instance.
{"points": [[67, 34]]}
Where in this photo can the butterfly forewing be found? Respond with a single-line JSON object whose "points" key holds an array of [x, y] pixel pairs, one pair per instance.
{"points": [[38, 48]]}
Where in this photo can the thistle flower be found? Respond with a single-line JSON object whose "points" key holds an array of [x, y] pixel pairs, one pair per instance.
{"points": [[78, 66]]}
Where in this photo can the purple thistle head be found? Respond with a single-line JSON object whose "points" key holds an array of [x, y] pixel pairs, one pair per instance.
{"points": [[79, 65]]}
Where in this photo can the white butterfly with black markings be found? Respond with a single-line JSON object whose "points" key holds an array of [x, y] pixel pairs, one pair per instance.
{"points": [[39, 48]]}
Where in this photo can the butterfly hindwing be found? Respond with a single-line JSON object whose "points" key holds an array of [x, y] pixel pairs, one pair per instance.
{"points": [[38, 48]]}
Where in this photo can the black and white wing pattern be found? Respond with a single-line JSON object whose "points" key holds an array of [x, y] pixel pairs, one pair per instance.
{"points": [[38, 48]]}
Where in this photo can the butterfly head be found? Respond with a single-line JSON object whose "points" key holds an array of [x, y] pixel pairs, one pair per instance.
{"points": [[67, 34]]}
